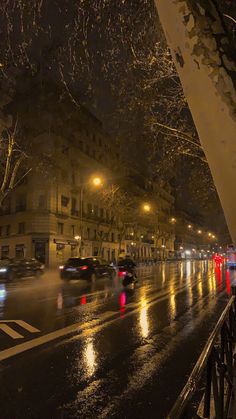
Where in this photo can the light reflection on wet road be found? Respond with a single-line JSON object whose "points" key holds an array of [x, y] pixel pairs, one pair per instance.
{"points": [[133, 349]]}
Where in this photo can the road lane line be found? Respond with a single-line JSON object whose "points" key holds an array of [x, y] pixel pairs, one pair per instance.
{"points": [[10, 332], [77, 327]]}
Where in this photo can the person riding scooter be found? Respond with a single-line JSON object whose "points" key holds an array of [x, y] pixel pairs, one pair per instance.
{"points": [[126, 267]]}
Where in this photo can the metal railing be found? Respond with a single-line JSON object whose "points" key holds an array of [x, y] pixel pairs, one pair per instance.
{"points": [[213, 373]]}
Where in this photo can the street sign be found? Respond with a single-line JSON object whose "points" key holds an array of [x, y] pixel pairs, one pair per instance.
{"points": [[10, 331]]}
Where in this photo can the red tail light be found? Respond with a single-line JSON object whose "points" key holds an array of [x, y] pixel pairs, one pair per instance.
{"points": [[122, 273], [83, 268]]}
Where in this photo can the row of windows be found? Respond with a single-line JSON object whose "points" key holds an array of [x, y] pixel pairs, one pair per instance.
{"points": [[90, 234], [6, 230], [19, 251]]}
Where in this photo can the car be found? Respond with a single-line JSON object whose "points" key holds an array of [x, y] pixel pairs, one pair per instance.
{"points": [[16, 268], [89, 268]]}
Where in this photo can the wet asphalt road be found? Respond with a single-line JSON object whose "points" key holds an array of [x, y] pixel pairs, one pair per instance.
{"points": [[96, 350]]}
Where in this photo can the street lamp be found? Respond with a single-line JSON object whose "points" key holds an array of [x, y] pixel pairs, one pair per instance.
{"points": [[199, 231], [173, 220], [96, 181], [189, 226], [147, 207]]}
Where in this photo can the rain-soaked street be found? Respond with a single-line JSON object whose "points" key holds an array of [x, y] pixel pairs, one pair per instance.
{"points": [[96, 350]]}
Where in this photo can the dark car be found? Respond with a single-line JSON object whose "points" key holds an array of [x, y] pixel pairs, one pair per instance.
{"points": [[89, 268], [16, 268]]}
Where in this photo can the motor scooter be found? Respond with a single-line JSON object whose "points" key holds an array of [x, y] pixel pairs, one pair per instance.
{"points": [[128, 277]]}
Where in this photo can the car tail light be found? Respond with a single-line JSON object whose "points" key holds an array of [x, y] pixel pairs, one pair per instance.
{"points": [[83, 268], [122, 273]]}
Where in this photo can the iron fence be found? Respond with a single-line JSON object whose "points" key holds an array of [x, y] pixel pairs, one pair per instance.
{"points": [[208, 391]]}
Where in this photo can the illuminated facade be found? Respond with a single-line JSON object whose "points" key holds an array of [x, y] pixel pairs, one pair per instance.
{"points": [[56, 213]]}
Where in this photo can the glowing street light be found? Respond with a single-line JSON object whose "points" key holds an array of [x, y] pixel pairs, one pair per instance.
{"points": [[173, 220], [209, 234], [213, 236], [199, 232], [190, 226], [147, 207], [97, 181]]}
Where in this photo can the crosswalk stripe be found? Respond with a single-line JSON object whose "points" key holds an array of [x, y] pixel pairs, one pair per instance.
{"points": [[10, 332]]}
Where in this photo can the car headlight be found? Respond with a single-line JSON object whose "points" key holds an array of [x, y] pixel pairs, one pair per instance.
{"points": [[3, 269], [61, 267]]}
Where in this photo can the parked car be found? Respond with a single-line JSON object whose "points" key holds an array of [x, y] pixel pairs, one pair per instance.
{"points": [[16, 268], [89, 268]]}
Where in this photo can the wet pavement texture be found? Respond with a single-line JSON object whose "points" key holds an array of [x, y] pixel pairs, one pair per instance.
{"points": [[90, 350]]}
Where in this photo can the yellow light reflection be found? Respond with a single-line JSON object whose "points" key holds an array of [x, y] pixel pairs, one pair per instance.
{"points": [[163, 274], [199, 287], [188, 268], [143, 318], [89, 356], [172, 303]]}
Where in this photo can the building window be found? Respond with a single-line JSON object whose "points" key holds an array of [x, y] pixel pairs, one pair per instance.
{"points": [[20, 250], [96, 210], [73, 230], [60, 228], [73, 179], [95, 234], [0, 231], [21, 228], [64, 201], [74, 210], [42, 202], [87, 149], [112, 237], [5, 252], [101, 212], [8, 230], [21, 203], [89, 209]]}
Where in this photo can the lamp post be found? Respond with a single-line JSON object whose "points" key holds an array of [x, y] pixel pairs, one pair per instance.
{"points": [[96, 181]]}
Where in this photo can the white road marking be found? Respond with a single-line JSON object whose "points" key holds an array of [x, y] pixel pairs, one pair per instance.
{"points": [[17, 349], [85, 328], [10, 332], [23, 324]]}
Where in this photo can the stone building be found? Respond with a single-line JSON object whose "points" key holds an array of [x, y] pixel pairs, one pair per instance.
{"points": [[56, 212]]}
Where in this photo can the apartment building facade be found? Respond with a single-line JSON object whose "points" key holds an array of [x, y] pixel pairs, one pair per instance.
{"points": [[57, 213]]}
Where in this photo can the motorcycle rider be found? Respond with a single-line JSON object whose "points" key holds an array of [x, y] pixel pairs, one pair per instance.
{"points": [[127, 264]]}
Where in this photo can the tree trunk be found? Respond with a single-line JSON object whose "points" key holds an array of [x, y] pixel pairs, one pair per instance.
{"points": [[205, 62]]}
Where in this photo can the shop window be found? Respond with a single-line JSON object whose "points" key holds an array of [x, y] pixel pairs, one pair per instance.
{"points": [[20, 250], [21, 228], [5, 252], [73, 250], [60, 228], [64, 201]]}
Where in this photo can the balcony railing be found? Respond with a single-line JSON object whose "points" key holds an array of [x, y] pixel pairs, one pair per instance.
{"points": [[213, 372]]}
